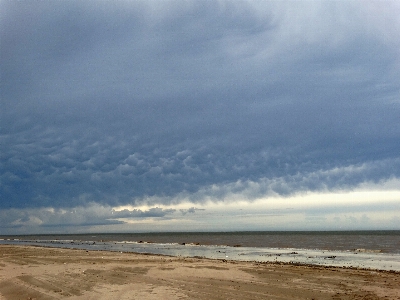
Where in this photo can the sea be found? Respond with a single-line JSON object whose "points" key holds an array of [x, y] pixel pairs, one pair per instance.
{"points": [[374, 250]]}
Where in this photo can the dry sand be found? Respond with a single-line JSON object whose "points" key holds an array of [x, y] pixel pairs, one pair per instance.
{"points": [[53, 273]]}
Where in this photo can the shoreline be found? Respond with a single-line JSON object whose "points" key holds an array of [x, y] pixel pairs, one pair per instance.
{"points": [[309, 265], [35, 272], [356, 259]]}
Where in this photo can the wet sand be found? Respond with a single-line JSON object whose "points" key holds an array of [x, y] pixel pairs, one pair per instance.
{"points": [[52, 273]]}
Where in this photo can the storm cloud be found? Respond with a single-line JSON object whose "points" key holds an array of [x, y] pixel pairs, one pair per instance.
{"points": [[151, 103]]}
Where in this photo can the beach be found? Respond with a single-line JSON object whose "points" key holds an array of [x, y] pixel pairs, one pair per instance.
{"points": [[28, 272]]}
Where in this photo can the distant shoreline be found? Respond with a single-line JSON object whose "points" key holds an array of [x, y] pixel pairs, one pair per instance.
{"points": [[357, 258], [280, 263]]}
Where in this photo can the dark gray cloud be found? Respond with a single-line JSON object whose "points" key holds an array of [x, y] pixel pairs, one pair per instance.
{"points": [[90, 215], [116, 103], [190, 210]]}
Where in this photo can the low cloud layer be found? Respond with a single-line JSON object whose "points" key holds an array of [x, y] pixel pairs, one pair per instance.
{"points": [[308, 211], [91, 215], [123, 103]]}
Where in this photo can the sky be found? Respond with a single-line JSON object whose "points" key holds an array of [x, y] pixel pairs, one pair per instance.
{"points": [[140, 116]]}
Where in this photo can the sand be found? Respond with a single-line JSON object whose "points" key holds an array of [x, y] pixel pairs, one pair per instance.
{"points": [[53, 273]]}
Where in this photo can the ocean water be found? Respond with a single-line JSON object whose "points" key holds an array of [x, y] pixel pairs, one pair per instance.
{"points": [[360, 249]]}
